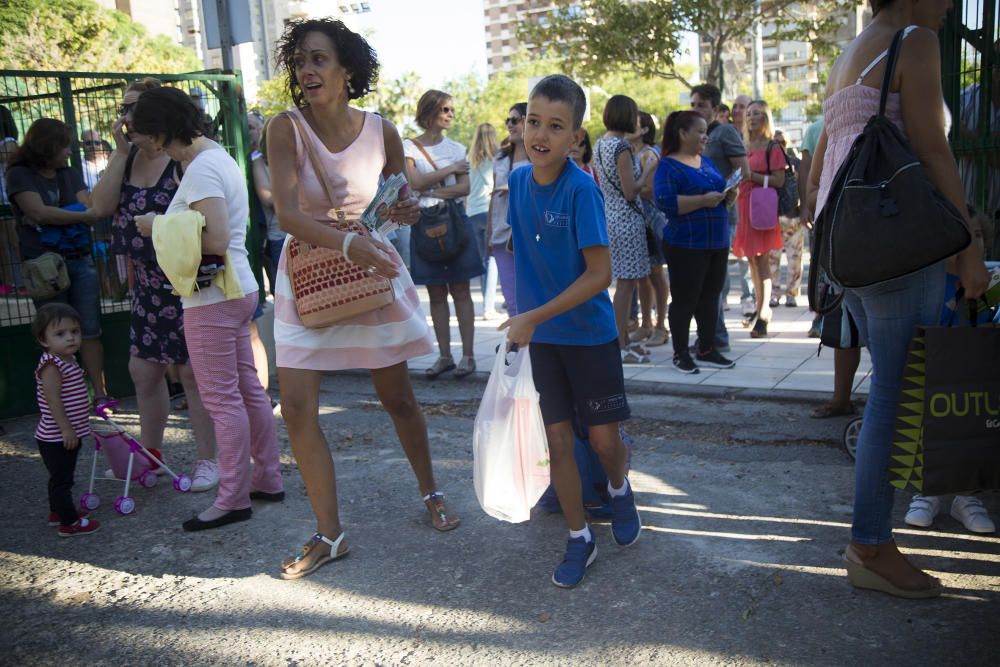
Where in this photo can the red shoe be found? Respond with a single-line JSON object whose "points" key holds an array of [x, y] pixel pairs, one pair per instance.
{"points": [[54, 517], [81, 527]]}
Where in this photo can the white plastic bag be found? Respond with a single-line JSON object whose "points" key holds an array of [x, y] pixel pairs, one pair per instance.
{"points": [[509, 449]]}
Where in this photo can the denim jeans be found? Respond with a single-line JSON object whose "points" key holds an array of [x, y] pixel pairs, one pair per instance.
{"points": [[886, 315]]}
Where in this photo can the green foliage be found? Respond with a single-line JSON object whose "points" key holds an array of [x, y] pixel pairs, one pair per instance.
{"points": [[82, 36], [273, 96], [595, 37]]}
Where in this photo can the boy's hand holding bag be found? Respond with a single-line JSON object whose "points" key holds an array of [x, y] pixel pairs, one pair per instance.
{"points": [[509, 448]]}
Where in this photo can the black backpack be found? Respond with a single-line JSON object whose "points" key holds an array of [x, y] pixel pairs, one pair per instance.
{"points": [[788, 194]]}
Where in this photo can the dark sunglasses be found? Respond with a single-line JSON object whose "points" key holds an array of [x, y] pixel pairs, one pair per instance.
{"points": [[513, 121], [125, 108], [447, 109]]}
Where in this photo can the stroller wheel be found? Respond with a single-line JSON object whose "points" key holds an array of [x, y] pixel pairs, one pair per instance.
{"points": [[182, 483], [90, 501], [124, 505], [148, 479], [851, 433]]}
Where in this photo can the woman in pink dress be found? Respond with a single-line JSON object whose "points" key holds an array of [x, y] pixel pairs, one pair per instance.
{"points": [[329, 65], [756, 244]]}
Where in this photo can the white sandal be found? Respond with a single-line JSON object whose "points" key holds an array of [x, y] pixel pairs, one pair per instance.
{"points": [[319, 562]]}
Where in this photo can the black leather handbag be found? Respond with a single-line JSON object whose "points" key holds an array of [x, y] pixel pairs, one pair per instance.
{"points": [[883, 218], [441, 233]]}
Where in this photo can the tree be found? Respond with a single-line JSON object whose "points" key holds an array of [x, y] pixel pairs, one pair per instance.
{"points": [[80, 35], [273, 96], [594, 37]]}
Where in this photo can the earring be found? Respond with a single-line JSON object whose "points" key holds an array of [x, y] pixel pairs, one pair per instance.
{"points": [[350, 88]]}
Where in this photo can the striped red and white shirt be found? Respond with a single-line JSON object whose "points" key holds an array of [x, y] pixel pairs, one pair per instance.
{"points": [[75, 400]]}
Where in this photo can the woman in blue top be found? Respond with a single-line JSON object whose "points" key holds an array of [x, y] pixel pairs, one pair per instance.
{"points": [[689, 190]]}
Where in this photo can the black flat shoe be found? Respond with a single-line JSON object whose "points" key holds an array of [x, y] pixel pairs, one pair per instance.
{"points": [[195, 524], [750, 320], [267, 497], [759, 329]]}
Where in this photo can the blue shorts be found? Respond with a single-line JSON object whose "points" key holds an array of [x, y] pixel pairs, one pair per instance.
{"points": [[582, 381], [83, 294]]}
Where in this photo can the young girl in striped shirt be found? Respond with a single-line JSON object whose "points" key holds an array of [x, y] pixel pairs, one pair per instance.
{"points": [[65, 412]]}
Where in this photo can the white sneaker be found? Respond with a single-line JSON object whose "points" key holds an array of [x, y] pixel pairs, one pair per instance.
{"points": [[205, 475], [970, 511], [922, 511]]}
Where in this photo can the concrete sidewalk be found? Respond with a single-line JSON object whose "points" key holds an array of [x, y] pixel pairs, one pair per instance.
{"points": [[784, 365]]}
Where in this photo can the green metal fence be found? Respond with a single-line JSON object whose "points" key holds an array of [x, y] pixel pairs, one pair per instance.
{"points": [[971, 78], [88, 102]]}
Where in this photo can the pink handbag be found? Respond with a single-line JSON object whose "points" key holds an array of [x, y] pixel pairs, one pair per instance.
{"points": [[763, 207]]}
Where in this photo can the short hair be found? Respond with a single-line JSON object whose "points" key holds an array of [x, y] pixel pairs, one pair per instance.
{"points": [[620, 114], [879, 5], [561, 88], [52, 312], [42, 142], [169, 113], [648, 135], [723, 107], [710, 92], [354, 53], [677, 121], [428, 106], [142, 85]]}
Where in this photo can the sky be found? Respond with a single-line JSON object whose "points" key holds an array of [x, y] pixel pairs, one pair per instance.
{"points": [[438, 39]]}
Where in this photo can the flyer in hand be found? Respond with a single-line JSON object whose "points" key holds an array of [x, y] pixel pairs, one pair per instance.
{"points": [[734, 179], [376, 216]]}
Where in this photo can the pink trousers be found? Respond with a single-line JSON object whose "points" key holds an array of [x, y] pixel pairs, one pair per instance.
{"points": [[218, 342]]}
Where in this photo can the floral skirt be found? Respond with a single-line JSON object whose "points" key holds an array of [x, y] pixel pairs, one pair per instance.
{"points": [[156, 331]]}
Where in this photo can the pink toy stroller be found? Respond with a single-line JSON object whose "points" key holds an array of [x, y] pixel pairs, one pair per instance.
{"points": [[129, 460]]}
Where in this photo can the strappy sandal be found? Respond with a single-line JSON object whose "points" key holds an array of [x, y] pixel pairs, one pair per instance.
{"points": [[638, 349], [467, 366], [334, 554], [440, 518], [441, 366], [630, 358]]}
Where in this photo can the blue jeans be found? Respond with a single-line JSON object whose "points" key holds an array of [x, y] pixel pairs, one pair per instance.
{"points": [[886, 315], [84, 294]]}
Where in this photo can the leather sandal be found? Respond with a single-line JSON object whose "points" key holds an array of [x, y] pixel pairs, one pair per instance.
{"points": [[335, 554], [441, 366], [467, 366], [440, 518]]}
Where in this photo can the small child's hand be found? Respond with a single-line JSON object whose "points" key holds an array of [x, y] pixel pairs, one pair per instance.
{"points": [[70, 439], [520, 329]]}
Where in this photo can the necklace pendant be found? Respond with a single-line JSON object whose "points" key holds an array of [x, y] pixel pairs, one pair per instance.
{"points": [[538, 238]]}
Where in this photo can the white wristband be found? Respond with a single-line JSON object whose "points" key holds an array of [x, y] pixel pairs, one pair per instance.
{"points": [[347, 244]]}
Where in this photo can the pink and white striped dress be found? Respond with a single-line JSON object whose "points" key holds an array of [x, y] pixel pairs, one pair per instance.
{"points": [[377, 339]]}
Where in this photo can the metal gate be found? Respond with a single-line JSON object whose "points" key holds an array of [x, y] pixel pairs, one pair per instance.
{"points": [[88, 102], [971, 78]]}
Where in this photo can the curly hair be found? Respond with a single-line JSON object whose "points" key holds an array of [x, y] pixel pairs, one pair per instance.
{"points": [[169, 113], [43, 141], [354, 53]]}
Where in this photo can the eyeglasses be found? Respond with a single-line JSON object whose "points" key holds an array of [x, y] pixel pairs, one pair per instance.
{"points": [[91, 142], [511, 122], [447, 109], [125, 108]]}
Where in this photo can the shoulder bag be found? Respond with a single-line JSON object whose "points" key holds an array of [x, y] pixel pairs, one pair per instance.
{"points": [[327, 286], [764, 201], [440, 234], [883, 218]]}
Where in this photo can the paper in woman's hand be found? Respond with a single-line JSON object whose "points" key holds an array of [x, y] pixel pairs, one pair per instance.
{"points": [[734, 179], [376, 215]]}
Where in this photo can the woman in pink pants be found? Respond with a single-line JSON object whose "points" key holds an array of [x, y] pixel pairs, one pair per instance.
{"points": [[217, 329]]}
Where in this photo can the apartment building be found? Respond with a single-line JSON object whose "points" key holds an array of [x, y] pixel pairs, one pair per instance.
{"points": [[502, 20]]}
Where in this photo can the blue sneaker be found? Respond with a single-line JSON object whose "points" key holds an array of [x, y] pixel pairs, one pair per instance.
{"points": [[579, 555], [625, 524]]}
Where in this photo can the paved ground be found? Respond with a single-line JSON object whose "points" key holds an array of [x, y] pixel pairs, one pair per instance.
{"points": [[746, 505]]}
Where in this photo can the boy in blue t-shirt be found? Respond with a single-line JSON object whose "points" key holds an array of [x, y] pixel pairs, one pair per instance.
{"points": [[563, 268]]}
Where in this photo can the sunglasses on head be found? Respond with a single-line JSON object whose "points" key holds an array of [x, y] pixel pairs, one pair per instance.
{"points": [[512, 121]]}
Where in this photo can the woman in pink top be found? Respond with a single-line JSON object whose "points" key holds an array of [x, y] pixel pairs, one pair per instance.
{"points": [[886, 313], [328, 66]]}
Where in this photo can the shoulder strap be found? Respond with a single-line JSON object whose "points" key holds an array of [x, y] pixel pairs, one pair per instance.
{"points": [[890, 67], [426, 154], [313, 158]]}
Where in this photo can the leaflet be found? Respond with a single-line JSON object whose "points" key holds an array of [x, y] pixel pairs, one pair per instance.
{"points": [[734, 179], [376, 215]]}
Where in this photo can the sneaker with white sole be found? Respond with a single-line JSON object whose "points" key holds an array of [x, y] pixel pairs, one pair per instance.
{"points": [[684, 364], [580, 554], [922, 511], [81, 527], [713, 359], [970, 511], [205, 476]]}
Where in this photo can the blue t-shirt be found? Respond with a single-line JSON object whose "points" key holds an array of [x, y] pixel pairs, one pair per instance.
{"points": [[704, 228], [567, 216]]}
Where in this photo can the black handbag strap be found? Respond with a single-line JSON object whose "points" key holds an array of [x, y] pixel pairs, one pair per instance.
{"points": [[890, 68]]}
